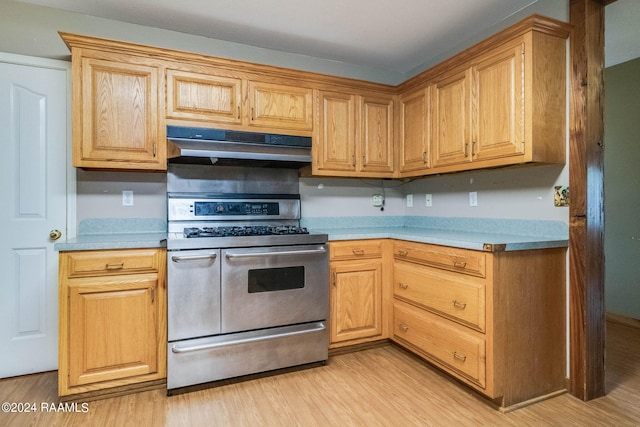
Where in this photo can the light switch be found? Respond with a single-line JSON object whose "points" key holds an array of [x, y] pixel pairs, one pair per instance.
{"points": [[473, 198], [409, 200], [428, 200], [127, 198]]}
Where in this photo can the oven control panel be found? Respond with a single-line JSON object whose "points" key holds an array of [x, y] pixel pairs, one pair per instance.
{"points": [[184, 209], [235, 208]]}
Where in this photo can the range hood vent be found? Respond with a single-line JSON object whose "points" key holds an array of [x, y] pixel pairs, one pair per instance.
{"points": [[236, 148]]}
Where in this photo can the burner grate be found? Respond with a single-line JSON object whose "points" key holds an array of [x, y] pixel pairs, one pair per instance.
{"points": [[250, 230]]}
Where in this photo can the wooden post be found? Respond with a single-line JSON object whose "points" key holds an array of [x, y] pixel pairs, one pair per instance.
{"points": [[586, 211]]}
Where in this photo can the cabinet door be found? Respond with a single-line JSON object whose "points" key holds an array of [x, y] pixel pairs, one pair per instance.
{"points": [[280, 106], [334, 148], [118, 107], [376, 134], [356, 301], [112, 328], [498, 104], [451, 120], [414, 131], [210, 98]]}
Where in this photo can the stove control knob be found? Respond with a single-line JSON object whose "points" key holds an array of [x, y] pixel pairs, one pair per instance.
{"points": [[219, 208]]}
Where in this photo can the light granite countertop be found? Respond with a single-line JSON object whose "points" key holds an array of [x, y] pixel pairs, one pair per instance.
{"points": [[467, 233], [117, 233]]}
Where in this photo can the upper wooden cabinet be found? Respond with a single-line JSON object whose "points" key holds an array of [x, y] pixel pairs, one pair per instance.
{"points": [[497, 109], [353, 135], [204, 97], [450, 119], [116, 112], [376, 128], [414, 136], [499, 103], [280, 106], [334, 147], [478, 113]]}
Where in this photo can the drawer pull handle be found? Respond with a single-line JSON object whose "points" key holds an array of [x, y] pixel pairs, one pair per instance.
{"points": [[458, 304], [358, 251], [459, 264], [459, 356], [403, 285], [403, 253], [116, 266], [404, 328]]}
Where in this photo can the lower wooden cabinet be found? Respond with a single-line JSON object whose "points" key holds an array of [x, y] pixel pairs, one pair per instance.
{"points": [[360, 303], [495, 321], [112, 322]]}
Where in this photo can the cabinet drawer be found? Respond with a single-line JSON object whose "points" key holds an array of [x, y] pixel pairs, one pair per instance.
{"points": [[460, 260], [91, 263], [452, 346], [457, 296], [355, 250]]}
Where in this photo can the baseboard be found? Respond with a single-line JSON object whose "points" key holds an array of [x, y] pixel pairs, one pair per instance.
{"points": [[623, 320], [115, 391], [506, 409], [358, 347]]}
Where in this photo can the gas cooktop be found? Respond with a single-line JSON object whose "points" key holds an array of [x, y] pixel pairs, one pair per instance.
{"points": [[247, 230]]}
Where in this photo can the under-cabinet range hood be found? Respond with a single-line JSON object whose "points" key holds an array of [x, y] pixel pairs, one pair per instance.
{"points": [[229, 147]]}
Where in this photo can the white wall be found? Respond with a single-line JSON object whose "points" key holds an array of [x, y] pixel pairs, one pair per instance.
{"points": [[99, 195], [622, 180], [333, 197], [510, 193], [520, 193]]}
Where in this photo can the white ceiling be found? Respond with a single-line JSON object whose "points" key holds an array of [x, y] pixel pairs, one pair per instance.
{"points": [[395, 35]]}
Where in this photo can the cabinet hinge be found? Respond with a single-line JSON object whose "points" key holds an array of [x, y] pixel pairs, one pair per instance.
{"points": [[153, 294], [154, 149]]}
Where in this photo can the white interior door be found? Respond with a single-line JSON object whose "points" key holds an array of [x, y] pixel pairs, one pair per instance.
{"points": [[33, 191]]}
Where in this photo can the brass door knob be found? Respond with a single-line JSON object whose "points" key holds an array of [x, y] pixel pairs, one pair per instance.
{"points": [[55, 234]]}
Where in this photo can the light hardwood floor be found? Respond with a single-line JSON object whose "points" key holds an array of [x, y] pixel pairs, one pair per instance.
{"points": [[383, 386]]}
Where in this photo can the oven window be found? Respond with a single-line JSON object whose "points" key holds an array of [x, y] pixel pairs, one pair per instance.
{"points": [[276, 279]]}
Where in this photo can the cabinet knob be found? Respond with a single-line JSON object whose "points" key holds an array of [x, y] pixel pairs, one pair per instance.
{"points": [[404, 327], [402, 252], [459, 264], [403, 285], [55, 234], [358, 251]]}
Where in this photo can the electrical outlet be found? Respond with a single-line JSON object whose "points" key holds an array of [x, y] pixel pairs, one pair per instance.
{"points": [[473, 198], [127, 198], [409, 200], [378, 200], [428, 200]]}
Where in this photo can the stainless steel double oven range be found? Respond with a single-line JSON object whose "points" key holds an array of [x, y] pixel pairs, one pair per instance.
{"points": [[247, 286]]}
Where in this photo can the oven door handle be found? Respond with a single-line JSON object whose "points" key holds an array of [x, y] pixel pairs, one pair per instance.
{"points": [[176, 349], [264, 254], [176, 258]]}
